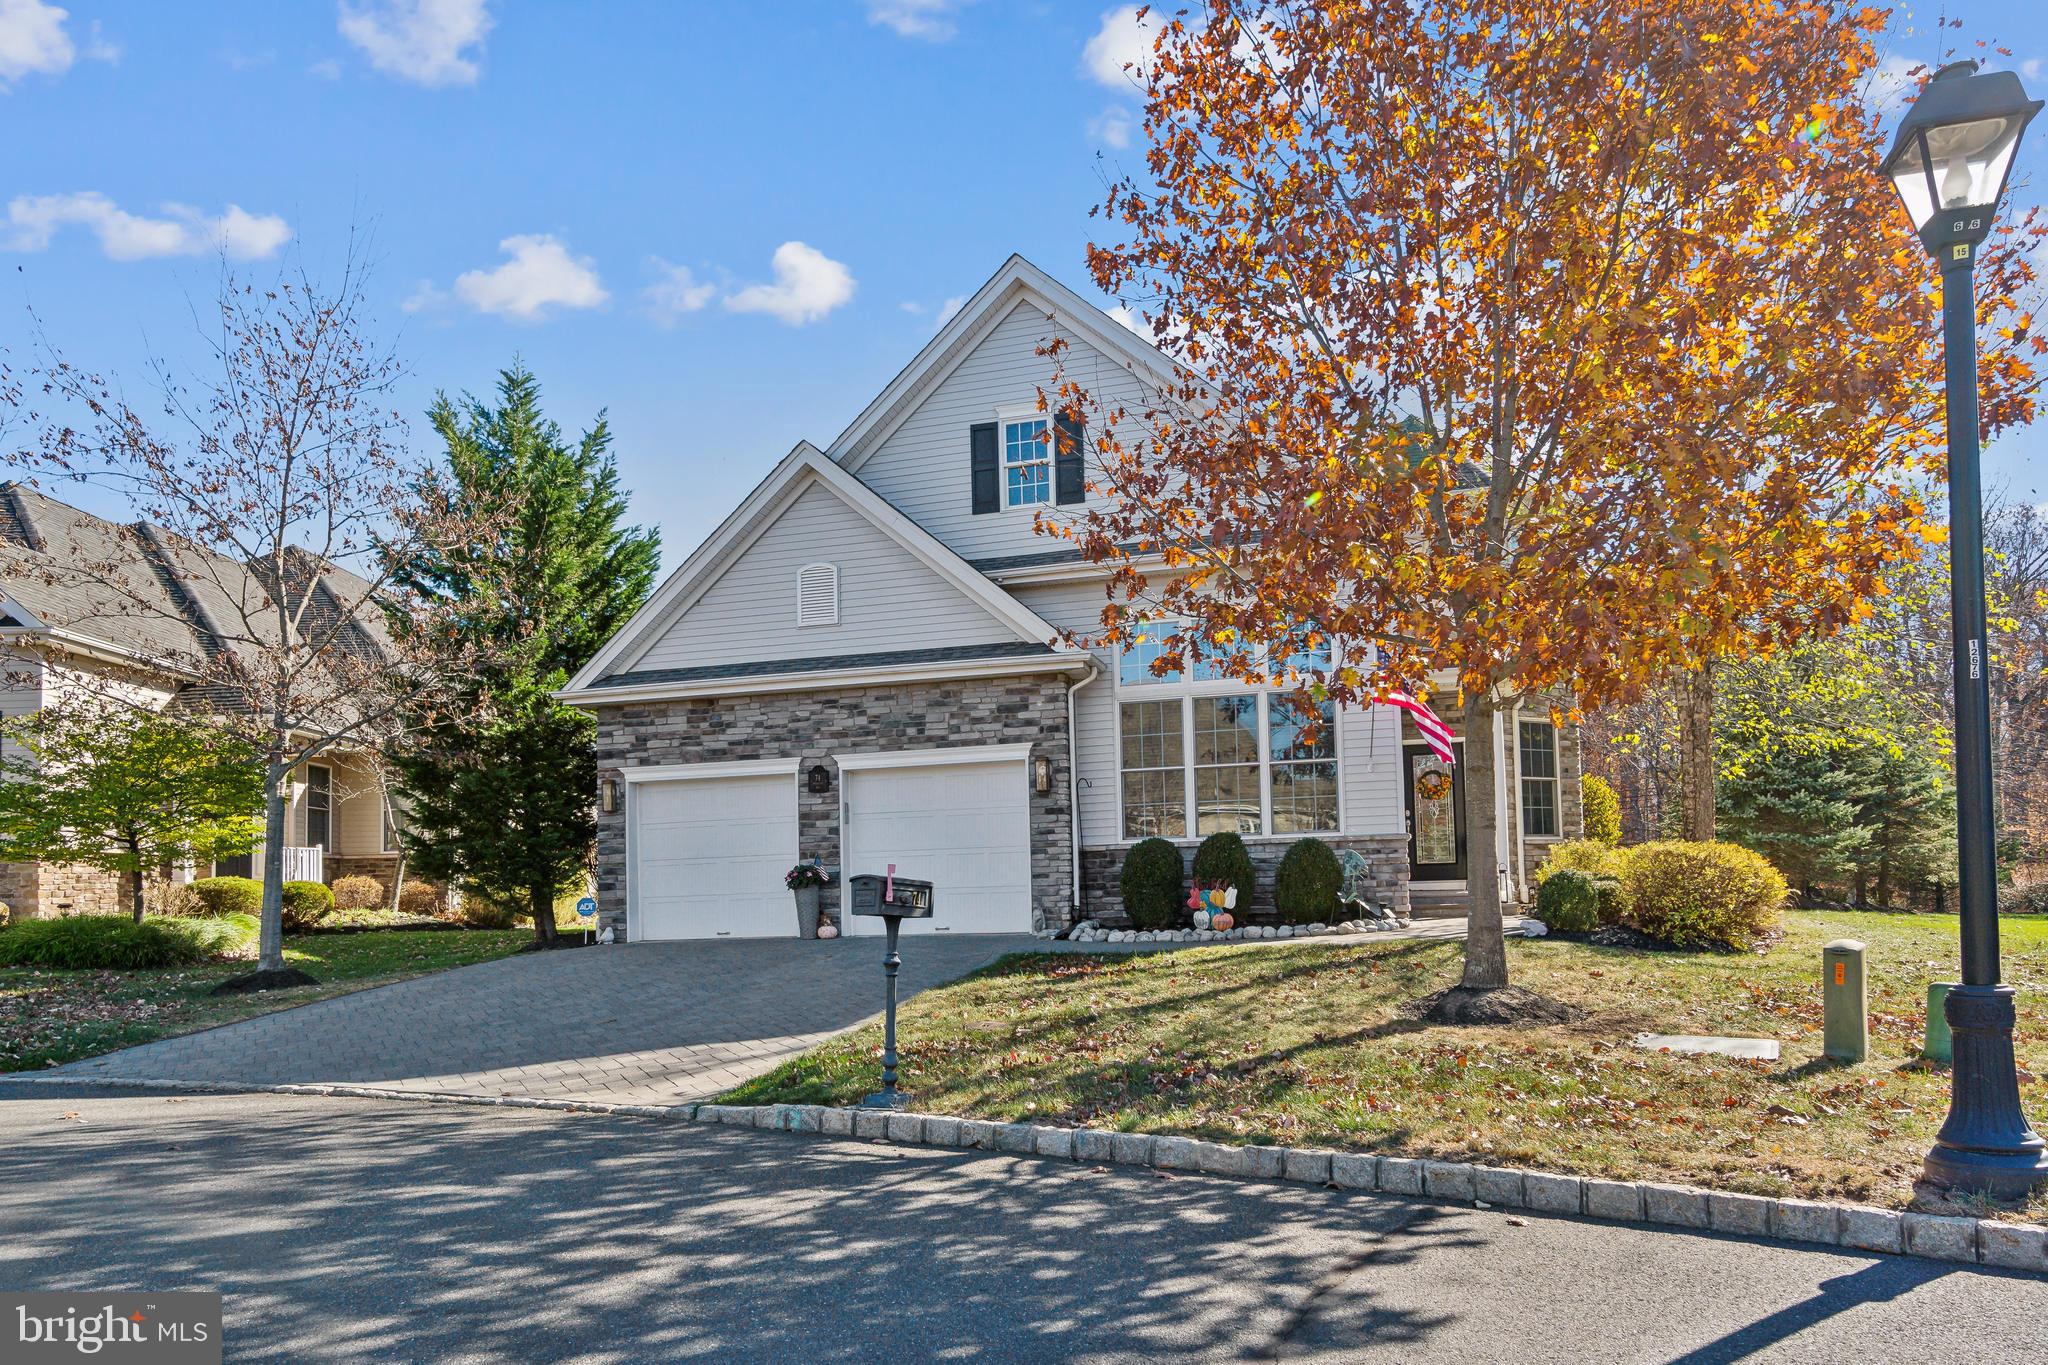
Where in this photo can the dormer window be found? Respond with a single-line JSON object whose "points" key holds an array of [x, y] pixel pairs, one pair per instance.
{"points": [[1013, 462], [817, 595]]}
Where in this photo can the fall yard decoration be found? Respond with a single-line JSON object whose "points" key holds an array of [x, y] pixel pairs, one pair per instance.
{"points": [[1545, 347]]}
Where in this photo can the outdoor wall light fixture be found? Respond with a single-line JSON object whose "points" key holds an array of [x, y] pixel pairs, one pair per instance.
{"points": [[608, 796], [818, 780], [1954, 151], [1041, 775]]}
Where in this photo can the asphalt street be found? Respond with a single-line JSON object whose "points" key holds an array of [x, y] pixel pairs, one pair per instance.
{"points": [[352, 1230]]}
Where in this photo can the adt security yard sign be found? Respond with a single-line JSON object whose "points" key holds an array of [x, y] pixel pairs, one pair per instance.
{"points": [[587, 908]]}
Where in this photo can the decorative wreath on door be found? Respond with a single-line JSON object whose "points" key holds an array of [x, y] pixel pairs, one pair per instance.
{"points": [[1434, 785]]}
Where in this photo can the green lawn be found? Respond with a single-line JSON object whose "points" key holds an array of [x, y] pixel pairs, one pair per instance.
{"points": [[49, 1017], [1310, 1045]]}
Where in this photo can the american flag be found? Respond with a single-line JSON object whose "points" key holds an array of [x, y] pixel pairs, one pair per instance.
{"points": [[1434, 732]]}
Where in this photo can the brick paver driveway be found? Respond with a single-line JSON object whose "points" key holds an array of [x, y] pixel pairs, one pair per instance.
{"points": [[645, 1023]]}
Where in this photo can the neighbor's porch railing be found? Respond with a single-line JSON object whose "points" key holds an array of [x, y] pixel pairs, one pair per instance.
{"points": [[300, 864]]}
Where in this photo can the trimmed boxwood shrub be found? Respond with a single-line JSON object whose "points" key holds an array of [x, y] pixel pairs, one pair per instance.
{"points": [[357, 892], [1223, 860], [1569, 902], [1701, 895], [305, 905], [1151, 884], [1305, 886], [227, 895], [118, 943]]}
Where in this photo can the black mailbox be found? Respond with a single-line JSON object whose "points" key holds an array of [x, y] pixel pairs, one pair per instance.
{"points": [[908, 898]]}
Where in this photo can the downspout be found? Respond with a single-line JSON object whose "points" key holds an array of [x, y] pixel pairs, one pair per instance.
{"points": [[1522, 839], [1074, 782]]}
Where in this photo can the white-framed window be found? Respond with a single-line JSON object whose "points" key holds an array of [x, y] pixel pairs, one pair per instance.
{"points": [[1203, 752], [817, 595], [1027, 460], [1541, 818], [320, 806]]}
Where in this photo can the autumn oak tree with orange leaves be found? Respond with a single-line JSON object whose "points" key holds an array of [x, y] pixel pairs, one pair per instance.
{"points": [[1541, 346]]}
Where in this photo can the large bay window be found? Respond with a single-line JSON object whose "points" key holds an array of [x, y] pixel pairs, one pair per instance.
{"points": [[1239, 758]]}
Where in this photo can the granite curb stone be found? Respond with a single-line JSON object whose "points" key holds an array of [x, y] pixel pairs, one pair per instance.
{"points": [[1872, 1230]]}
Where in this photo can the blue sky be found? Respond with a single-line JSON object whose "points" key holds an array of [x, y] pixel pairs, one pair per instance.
{"points": [[727, 223]]}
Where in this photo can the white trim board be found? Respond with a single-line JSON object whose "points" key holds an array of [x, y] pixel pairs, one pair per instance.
{"points": [[673, 772], [827, 679], [797, 471], [933, 758]]}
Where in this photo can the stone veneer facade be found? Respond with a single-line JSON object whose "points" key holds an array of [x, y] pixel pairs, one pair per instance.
{"points": [[1387, 854], [812, 726], [40, 890]]}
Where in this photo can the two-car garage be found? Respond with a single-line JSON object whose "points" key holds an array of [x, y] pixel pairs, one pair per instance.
{"points": [[708, 844]]}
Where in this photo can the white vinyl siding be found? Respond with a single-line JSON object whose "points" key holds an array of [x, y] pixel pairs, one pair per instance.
{"points": [[922, 467], [888, 598]]}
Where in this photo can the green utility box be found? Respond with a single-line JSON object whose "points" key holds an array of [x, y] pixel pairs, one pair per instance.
{"points": [[1940, 1046], [1846, 995]]}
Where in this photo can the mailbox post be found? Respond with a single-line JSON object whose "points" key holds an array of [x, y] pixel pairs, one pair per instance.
{"points": [[894, 899]]}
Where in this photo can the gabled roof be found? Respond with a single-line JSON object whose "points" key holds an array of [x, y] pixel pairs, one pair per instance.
{"points": [[801, 468], [1017, 281]]}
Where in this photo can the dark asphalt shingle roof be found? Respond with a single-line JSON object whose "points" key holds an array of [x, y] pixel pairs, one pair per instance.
{"points": [[767, 668]]}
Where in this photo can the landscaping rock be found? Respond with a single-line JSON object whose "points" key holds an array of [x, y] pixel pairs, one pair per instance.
{"points": [[1746, 1215], [1400, 1175], [1872, 1230], [1094, 1146], [1748, 1049], [1620, 1200], [1804, 1220], [1448, 1180], [1675, 1205], [1941, 1238], [1311, 1168], [1015, 1137], [1174, 1153], [1494, 1185], [1553, 1193], [1350, 1171], [1131, 1149], [1058, 1142], [906, 1127], [2014, 1246], [941, 1132]]}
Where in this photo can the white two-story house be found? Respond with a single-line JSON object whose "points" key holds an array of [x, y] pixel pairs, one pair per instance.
{"points": [[864, 665]]}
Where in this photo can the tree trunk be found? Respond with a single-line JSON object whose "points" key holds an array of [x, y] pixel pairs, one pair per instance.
{"points": [[398, 881], [270, 942], [1696, 754], [541, 901], [135, 891], [1486, 956]]}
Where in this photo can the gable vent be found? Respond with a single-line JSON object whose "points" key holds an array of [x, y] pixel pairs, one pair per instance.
{"points": [[817, 595]]}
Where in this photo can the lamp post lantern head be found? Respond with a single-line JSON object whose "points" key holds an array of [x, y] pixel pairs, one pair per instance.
{"points": [[1954, 150]]}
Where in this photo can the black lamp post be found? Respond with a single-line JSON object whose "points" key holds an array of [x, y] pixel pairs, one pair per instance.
{"points": [[1950, 162]]}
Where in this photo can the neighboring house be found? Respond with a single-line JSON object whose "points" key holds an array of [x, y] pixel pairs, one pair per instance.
{"points": [[863, 665], [58, 637]]}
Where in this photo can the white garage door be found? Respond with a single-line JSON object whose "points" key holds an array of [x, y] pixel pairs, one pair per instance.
{"points": [[964, 826], [709, 854]]}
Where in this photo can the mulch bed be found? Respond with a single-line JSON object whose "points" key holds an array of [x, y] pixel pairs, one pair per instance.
{"points": [[1505, 1006]]}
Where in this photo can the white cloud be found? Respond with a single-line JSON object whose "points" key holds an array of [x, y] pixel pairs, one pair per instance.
{"points": [[426, 42], [1124, 39], [808, 285], [426, 297], [541, 275], [931, 20], [327, 69], [1113, 127], [125, 236], [949, 310], [33, 41], [676, 293], [1895, 80], [2031, 68]]}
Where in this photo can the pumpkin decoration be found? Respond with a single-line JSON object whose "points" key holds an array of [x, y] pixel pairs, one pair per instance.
{"points": [[1201, 919], [1221, 922], [828, 931], [1194, 898]]}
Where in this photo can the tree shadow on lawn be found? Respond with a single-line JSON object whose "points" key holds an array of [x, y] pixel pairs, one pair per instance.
{"points": [[355, 1230]]}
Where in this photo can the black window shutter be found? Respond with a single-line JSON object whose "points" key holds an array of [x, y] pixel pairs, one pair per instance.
{"points": [[981, 444], [1070, 480]]}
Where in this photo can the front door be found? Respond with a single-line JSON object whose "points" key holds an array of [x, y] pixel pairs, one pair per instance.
{"points": [[1435, 794]]}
